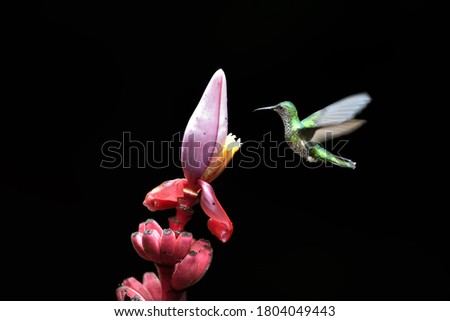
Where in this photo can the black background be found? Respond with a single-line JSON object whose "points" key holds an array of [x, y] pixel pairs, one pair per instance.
{"points": [[78, 75]]}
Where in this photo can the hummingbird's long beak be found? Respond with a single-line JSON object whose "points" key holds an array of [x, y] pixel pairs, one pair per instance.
{"points": [[267, 108]]}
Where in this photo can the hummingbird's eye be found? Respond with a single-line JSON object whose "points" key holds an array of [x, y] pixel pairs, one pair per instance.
{"points": [[279, 108]]}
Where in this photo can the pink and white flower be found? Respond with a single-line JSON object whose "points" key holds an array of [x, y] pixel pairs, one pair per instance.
{"points": [[207, 148]]}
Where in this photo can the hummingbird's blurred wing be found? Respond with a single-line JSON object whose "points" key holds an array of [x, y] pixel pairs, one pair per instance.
{"points": [[321, 134], [334, 120], [338, 112]]}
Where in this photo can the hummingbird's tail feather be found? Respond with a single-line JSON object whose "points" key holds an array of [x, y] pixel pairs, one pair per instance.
{"points": [[322, 154]]}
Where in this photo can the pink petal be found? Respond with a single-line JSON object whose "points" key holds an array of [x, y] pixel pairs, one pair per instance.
{"points": [[200, 244], [185, 271], [125, 292], [153, 285], [151, 242], [183, 245], [166, 195], [168, 240], [151, 224], [206, 130], [136, 239], [138, 287], [219, 224], [204, 258]]}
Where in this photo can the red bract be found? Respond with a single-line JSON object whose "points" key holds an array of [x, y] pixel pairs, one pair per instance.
{"points": [[206, 150]]}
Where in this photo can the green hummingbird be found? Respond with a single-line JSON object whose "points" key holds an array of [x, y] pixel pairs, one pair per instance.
{"points": [[304, 136]]}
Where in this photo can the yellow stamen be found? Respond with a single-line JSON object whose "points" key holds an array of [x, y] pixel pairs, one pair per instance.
{"points": [[223, 157]]}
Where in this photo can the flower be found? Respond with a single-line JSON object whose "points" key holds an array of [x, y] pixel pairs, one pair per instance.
{"points": [[207, 148], [181, 262]]}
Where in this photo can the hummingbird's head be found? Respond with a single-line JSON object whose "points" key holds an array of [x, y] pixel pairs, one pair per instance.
{"points": [[285, 109]]}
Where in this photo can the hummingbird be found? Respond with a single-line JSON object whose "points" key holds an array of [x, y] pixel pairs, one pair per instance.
{"points": [[304, 136]]}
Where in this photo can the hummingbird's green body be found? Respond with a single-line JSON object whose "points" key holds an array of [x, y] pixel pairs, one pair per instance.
{"points": [[304, 136]]}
